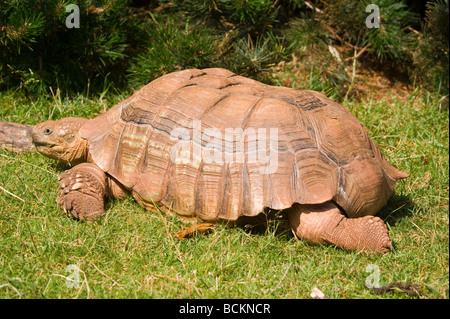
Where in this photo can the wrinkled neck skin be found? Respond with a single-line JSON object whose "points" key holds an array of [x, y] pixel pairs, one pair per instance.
{"points": [[61, 141], [75, 153]]}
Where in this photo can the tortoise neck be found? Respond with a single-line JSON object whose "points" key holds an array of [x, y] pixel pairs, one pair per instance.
{"points": [[78, 153]]}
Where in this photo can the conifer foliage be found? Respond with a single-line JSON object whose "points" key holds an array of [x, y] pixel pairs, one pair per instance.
{"points": [[38, 49], [432, 58], [127, 43]]}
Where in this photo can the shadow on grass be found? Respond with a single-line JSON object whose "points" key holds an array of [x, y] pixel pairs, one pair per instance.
{"points": [[277, 223], [61, 167], [397, 208], [270, 221]]}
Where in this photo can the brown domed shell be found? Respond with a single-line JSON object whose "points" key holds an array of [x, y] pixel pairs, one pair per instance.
{"points": [[190, 139]]}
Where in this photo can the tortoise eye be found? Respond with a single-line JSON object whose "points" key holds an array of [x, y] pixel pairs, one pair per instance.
{"points": [[47, 131]]}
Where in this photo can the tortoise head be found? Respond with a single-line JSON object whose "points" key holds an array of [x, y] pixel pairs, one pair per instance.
{"points": [[61, 140]]}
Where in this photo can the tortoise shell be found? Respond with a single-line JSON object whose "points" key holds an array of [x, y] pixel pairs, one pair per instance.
{"points": [[322, 151]]}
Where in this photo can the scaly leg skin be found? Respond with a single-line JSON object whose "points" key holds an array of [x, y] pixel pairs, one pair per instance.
{"points": [[82, 191], [325, 224]]}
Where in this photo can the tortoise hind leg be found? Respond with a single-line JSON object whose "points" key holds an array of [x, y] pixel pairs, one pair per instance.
{"points": [[82, 190], [325, 224]]}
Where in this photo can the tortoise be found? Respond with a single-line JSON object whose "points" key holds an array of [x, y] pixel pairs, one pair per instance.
{"points": [[170, 144]]}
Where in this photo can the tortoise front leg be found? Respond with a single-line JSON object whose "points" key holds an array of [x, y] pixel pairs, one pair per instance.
{"points": [[325, 224], [82, 191]]}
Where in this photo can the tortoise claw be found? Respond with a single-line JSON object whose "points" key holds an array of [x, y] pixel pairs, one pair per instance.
{"points": [[80, 194]]}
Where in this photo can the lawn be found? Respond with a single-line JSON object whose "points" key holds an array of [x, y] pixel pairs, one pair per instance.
{"points": [[131, 252]]}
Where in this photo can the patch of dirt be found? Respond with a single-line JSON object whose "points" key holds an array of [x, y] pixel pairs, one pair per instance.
{"points": [[372, 78], [380, 81]]}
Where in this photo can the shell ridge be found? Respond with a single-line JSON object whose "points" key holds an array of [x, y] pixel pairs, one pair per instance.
{"points": [[116, 168], [223, 197], [166, 186], [198, 210], [209, 108], [250, 113], [245, 204]]}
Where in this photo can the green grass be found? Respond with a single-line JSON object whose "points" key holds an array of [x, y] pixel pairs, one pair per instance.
{"points": [[130, 253]]}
